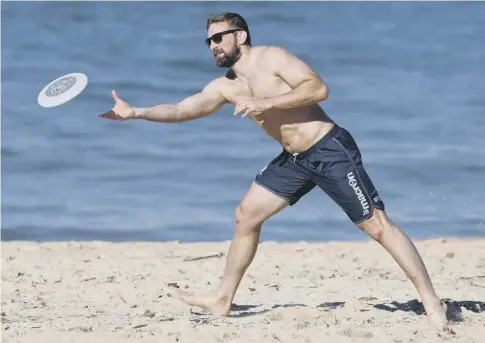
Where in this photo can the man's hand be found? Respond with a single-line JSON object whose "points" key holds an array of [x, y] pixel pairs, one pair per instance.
{"points": [[121, 111], [252, 106]]}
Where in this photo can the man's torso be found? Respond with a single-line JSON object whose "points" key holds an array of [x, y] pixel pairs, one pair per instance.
{"points": [[295, 129]]}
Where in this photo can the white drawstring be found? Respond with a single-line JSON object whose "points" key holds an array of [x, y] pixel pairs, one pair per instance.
{"points": [[294, 156]]}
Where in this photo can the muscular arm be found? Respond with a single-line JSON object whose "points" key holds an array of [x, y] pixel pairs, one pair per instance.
{"points": [[308, 86], [195, 106]]}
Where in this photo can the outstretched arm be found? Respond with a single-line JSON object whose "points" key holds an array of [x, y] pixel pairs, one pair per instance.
{"points": [[199, 105], [195, 106]]}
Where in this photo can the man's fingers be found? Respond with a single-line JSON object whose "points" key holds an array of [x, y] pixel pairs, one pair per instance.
{"points": [[109, 115], [247, 113], [114, 95], [116, 98], [251, 112], [239, 107], [236, 109]]}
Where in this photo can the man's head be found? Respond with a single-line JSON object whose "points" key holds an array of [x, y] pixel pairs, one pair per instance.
{"points": [[225, 35]]}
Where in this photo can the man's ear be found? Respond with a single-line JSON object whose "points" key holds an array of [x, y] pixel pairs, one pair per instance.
{"points": [[241, 37]]}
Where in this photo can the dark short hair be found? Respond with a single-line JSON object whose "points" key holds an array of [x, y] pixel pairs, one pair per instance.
{"points": [[234, 20]]}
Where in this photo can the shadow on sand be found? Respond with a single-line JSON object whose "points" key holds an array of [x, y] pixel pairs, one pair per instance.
{"points": [[242, 310], [245, 313], [453, 313]]}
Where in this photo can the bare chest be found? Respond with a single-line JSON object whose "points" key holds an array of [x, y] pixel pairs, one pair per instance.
{"points": [[259, 85]]}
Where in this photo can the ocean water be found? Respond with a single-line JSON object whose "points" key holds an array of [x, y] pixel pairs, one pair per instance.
{"points": [[406, 79]]}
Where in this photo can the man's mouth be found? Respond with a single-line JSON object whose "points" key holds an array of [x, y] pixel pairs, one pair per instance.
{"points": [[220, 54]]}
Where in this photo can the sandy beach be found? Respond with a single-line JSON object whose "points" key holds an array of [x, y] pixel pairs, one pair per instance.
{"points": [[293, 292]]}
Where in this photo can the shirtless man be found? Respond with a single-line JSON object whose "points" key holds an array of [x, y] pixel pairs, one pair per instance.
{"points": [[281, 93]]}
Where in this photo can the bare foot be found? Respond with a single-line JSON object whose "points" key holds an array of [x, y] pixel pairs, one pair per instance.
{"points": [[437, 317], [216, 305]]}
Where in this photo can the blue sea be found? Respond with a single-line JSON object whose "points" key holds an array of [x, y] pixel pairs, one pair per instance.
{"points": [[407, 79]]}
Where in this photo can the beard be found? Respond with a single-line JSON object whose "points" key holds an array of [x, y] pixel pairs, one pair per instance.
{"points": [[229, 58]]}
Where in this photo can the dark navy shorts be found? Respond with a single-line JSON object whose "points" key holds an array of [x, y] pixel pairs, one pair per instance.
{"points": [[334, 164]]}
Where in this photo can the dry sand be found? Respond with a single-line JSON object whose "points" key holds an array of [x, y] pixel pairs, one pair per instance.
{"points": [[293, 292]]}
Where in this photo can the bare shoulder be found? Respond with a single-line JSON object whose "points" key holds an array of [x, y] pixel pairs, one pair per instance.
{"points": [[280, 61], [275, 58], [271, 53], [217, 86]]}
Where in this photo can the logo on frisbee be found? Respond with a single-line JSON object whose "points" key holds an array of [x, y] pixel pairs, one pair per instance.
{"points": [[61, 86]]}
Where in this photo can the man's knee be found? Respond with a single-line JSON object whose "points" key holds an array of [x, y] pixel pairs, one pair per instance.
{"points": [[377, 225], [248, 218]]}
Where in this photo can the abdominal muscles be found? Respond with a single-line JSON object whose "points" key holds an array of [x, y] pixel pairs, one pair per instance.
{"points": [[295, 129]]}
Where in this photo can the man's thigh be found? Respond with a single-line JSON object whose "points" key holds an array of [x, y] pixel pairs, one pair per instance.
{"points": [[284, 179], [258, 204]]}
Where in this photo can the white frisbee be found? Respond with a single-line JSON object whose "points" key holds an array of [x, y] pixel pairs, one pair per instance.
{"points": [[62, 89]]}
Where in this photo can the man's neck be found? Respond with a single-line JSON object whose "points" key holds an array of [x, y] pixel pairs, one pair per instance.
{"points": [[242, 66]]}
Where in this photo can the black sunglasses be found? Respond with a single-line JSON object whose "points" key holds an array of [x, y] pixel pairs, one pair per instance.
{"points": [[217, 37]]}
